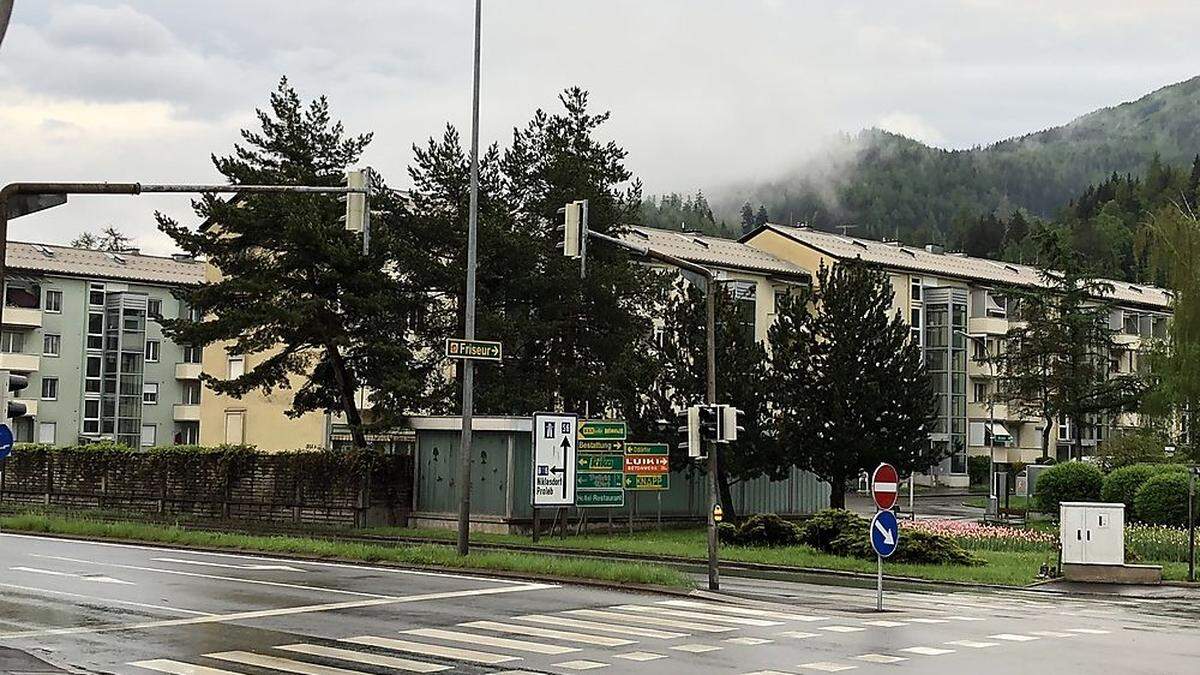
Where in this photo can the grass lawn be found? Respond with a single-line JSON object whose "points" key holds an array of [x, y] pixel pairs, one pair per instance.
{"points": [[1014, 502]]}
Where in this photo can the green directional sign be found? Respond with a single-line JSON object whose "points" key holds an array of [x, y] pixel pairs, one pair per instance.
{"points": [[600, 446], [602, 430], [660, 481], [600, 498], [599, 481], [647, 449], [600, 463]]}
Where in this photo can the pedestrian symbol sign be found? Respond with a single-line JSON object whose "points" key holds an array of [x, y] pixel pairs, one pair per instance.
{"points": [[554, 441], [885, 533]]}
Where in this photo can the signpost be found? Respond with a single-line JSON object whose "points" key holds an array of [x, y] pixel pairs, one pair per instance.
{"points": [[885, 529], [602, 430], [479, 350], [554, 459], [599, 481]]}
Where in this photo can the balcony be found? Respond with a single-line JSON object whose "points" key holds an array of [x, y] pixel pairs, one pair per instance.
{"points": [[187, 371], [22, 363], [987, 325], [183, 412], [22, 317]]}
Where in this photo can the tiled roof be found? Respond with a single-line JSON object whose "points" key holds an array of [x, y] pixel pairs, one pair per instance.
{"points": [[712, 251], [80, 262], [895, 256]]}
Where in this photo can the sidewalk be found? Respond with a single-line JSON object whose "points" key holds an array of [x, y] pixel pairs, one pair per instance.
{"points": [[17, 662], [1166, 591]]}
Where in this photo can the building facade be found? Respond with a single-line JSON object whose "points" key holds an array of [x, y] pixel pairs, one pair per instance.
{"points": [[84, 327]]}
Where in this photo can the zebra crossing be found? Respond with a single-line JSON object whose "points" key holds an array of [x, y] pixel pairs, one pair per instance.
{"points": [[622, 637]]}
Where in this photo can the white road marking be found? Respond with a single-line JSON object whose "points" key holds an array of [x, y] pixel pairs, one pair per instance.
{"points": [[286, 665], [106, 601], [101, 579], [749, 641], [489, 641], [925, 620], [1089, 631], [959, 617], [842, 629], [973, 644], [927, 651], [1012, 637], [828, 666], [267, 613], [649, 620], [695, 648], [180, 668], [365, 658], [885, 624], [581, 664], [744, 611], [532, 631], [880, 658], [432, 650], [797, 634], [596, 625], [767, 672], [1052, 633], [741, 621], [641, 656], [250, 567]]}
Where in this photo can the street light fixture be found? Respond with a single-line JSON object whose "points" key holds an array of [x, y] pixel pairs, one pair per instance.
{"points": [[993, 508]]}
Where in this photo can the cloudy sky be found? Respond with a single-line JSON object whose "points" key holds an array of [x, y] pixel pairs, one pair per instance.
{"points": [[703, 92]]}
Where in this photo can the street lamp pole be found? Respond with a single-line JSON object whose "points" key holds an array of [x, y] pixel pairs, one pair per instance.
{"points": [[990, 435]]}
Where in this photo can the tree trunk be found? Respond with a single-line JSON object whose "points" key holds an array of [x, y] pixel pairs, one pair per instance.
{"points": [[1046, 438], [837, 492], [723, 486], [346, 392]]}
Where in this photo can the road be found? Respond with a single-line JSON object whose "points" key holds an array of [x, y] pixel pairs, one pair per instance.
{"points": [[107, 608]]}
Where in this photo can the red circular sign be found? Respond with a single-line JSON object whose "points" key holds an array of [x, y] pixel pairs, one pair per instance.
{"points": [[884, 484]]}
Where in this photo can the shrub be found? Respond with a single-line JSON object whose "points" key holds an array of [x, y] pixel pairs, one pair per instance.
{"points": [[727, 533], [1163, 499], [768, 529], [1068, 482], [1134, 447], [840, 532], [1123, 484], [827, 525], [978, 468]]}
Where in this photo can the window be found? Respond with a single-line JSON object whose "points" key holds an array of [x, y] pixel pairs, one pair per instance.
{"points": [[190, 394], [154, 308], [744, 294], [24, 294], [235, 427], [51, 344], [916, 289], [237, 366], [915, 322], [91, 380], [95, 330], [149, 432], [192, 354], [12, 343], [980, 392], [49, 388], [47, 432], [91, 416], [96, 295], [187, 433], [152, 349], [980, 349], [150, 393], [53, 302]]}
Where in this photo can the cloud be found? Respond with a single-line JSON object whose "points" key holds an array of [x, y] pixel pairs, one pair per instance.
{"points": [[912, 126]]}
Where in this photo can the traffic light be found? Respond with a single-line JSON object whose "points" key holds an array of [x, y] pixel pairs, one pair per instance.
{"points": [[10, 385], [572, 228], [689, 425], [358, 215], [731, 422], [710, 422]]}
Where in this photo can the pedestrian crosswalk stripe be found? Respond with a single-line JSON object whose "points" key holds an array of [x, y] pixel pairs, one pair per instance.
{"points": [[843, 629], [828, 666], [973, 644], [1089, 631], [606, 627], [1052, 633], [744, 611], [925, 620], [531, 631], [651, 620], [695, 648], [797, 634], [489, 641], [1012, 637], [959, 617], [880, 658], [286, 665], [432, 650], [641, 656], [365, 658], [741, 621], [749, 641], [767, 672], [581, 664], [885, 624], [179, 668], [927, 651]]}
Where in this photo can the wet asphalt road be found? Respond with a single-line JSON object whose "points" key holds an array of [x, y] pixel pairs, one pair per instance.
{"points": [[104, 608]]}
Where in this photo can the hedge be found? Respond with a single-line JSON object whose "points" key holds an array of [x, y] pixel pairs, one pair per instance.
{"points": [[1123, 484], [1068, 482], [1163, 499]]}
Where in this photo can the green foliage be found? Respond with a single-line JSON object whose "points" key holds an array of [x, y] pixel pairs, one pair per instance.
{"points": [[1122, 485], [676, 212], [978, 468], [849, 387], [826, 525], [727, 532], [1068, 482], [767, 529], [840, 532], [1135, 447], [1163, 499]]}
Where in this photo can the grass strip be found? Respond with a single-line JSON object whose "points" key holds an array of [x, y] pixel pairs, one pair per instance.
{"points": [[434, 555]]}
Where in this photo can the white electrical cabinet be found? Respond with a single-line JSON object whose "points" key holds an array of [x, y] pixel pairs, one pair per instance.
{"points": [[1092, 533]]}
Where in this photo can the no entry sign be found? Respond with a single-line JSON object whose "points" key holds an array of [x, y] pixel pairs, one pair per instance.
{"points": [[884, 483]]}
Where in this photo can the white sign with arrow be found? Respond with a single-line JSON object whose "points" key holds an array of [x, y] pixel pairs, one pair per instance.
{"points": [[554, 438]]}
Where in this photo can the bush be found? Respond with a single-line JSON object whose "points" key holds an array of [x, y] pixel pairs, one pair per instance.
{"points": [[1123, 484], [768, 529], [1134, 447], [827, 525], [1163, 499], [842, 533], [1068, 482], [978, 468], [727, 534]]}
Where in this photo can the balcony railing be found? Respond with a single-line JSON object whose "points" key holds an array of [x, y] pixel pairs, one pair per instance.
{"points": [[187, 371], [22, 317], [184, 412], [23, 363]]}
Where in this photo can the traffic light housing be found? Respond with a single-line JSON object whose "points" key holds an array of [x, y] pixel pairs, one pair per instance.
{"points": [[10, 385], [710, 422], [358, 214], [689, 426], [731, 423], [572, 229]]}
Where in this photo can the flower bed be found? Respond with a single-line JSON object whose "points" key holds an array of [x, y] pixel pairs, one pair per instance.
{"points": [[974, 535], [1156, 542]]}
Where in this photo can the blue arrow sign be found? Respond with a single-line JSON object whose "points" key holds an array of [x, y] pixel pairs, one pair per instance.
{"points": [[885, 533], [6, 441]]}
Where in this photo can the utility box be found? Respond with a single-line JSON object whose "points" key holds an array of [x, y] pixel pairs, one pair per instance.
{"points": [[1092, 533], [1032, 473]]}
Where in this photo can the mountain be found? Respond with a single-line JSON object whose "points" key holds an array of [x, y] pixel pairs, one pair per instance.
{"points": [[890, 186]]}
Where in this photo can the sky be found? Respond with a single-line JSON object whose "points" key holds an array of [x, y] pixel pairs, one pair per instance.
{"points": [[703, 93]]}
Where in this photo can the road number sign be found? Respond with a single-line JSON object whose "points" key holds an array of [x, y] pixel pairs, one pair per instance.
{"points": [[647, 481], [884, 483], [885, 533], [602, 430], [480, 350], [554, 437]]}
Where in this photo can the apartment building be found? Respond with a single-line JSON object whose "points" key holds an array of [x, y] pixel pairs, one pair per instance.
{"points": [[956, 307], [84, 327]]}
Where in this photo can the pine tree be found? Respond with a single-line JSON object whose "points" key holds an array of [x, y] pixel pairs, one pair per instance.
{"points": [[748, 224], [760, 217], [849, 388], [295, 288]]}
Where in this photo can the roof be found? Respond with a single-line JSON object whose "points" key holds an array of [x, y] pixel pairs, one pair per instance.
{"points": [[82, 262], [712, 251], [893, 255]]}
